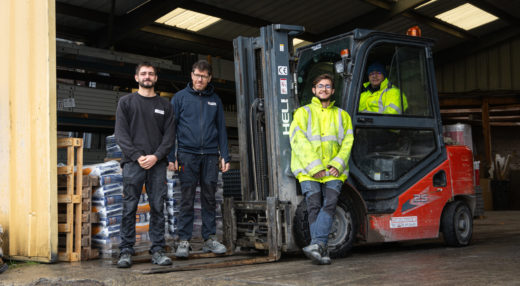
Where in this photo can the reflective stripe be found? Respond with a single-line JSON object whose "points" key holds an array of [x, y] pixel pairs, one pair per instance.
{"points": [[391, 105], [314, 138], [340, 161], [298, 171], [295, 130], [312, 165], [381, 106], [330, 138], [341, 130], [309, 123], [350, 131], [345, 172]]}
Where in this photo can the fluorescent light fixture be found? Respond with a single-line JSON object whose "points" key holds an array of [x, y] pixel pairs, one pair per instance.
{"points": [[186, 19], [427, 3], [467, 17]]}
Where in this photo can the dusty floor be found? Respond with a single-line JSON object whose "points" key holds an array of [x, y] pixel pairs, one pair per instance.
{"points": [[493, 258]]}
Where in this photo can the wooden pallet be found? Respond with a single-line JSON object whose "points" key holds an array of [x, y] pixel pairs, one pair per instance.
{"points": [[87, 217], [70, 201]]}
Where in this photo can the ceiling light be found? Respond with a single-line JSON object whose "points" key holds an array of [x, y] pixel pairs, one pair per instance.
{"points": [[186, 19], [467, 17]]}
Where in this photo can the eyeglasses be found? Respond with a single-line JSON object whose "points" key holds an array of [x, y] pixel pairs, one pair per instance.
{"points": [[326, 86], [201, 76]]}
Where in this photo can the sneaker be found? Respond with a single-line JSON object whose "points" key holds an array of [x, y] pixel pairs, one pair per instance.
{"points": [[325, 258], [125, 260], [212, 245], [183, 250], [3, 266], [318, 253], [160, 258]]}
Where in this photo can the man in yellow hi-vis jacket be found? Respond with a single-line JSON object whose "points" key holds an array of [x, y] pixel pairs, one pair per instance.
{"points": [[379, 95], [321, 139]]}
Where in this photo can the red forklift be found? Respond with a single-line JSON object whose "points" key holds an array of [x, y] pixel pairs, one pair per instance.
{"points": [[404, 182]]}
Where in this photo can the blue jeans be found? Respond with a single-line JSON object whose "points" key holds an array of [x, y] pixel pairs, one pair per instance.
{"points": [[321, 206], [155, 181], [192, 169]]}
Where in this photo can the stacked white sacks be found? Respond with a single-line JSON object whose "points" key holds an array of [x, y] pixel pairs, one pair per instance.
{"points": [[113, 150], [107, 205]]}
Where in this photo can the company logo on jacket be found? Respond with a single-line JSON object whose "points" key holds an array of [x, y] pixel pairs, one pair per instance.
{"points": [[212, 103]]}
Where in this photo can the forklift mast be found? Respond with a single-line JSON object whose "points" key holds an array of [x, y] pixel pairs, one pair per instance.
{"points": [[265, 102]]}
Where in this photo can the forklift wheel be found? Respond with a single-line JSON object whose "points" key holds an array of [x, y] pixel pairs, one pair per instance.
{"points": [[343, 231], [457, 224]]}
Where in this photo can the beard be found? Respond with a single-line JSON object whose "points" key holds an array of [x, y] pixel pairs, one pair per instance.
{"points": [[147, 84], [324, 99]]}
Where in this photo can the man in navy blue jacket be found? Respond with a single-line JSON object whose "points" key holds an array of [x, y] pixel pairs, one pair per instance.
{"points": [[201, 138]]}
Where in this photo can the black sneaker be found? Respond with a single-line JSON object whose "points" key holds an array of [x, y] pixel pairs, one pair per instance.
{"points": [[3, 266], [125, 260], [160, 258]]}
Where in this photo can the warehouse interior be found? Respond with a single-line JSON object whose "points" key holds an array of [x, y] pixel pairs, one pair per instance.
{"points": [[99, 42]]}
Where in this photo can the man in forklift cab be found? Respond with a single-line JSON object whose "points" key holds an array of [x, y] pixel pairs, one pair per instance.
{"points": [[321, 139], [379, 95]]}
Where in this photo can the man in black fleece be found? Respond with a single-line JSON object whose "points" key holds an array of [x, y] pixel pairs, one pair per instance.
{"points": [[201, 138], [145, 132]]}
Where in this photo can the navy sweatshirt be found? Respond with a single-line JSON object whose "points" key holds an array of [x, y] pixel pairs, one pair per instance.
{"points": [[144, 126], [200, 125]]}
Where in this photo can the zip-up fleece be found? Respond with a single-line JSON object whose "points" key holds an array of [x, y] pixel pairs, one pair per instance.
{"points": [[200, 125]]}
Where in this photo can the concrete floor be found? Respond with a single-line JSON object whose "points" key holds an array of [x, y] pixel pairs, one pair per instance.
{"points": [[493, 258]]}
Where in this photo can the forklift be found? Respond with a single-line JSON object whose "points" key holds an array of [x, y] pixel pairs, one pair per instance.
{"points": [[404, 182]]}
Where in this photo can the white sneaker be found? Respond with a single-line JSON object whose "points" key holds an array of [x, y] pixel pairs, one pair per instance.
{"points": [[183, 250], [212, 245]]}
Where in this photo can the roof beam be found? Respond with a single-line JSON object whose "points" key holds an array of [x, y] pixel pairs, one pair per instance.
{"points": [[80, 12], [406, 11], [187, 36], [137, 19], [235, 17], [384, 12], [223, 14], [397, 7], [73, 34], [475, 45], [365, 21]]}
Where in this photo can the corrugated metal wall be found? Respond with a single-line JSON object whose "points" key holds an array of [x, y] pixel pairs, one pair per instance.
{"points": [[497, 68], [28, 177]]}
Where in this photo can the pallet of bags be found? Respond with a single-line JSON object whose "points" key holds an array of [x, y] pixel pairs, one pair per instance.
{"points": [[171, 206], [107, 206]]}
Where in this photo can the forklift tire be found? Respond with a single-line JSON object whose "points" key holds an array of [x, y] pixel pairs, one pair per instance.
{"points": [[343, 231], [457, 224]]}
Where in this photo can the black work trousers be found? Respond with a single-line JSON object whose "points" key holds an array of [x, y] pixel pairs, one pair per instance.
{"points": [[155, 181], [195, 168]]}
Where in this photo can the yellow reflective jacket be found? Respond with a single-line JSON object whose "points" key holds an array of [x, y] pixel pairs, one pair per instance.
{"points": [[386, 100], [320, 137]]}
